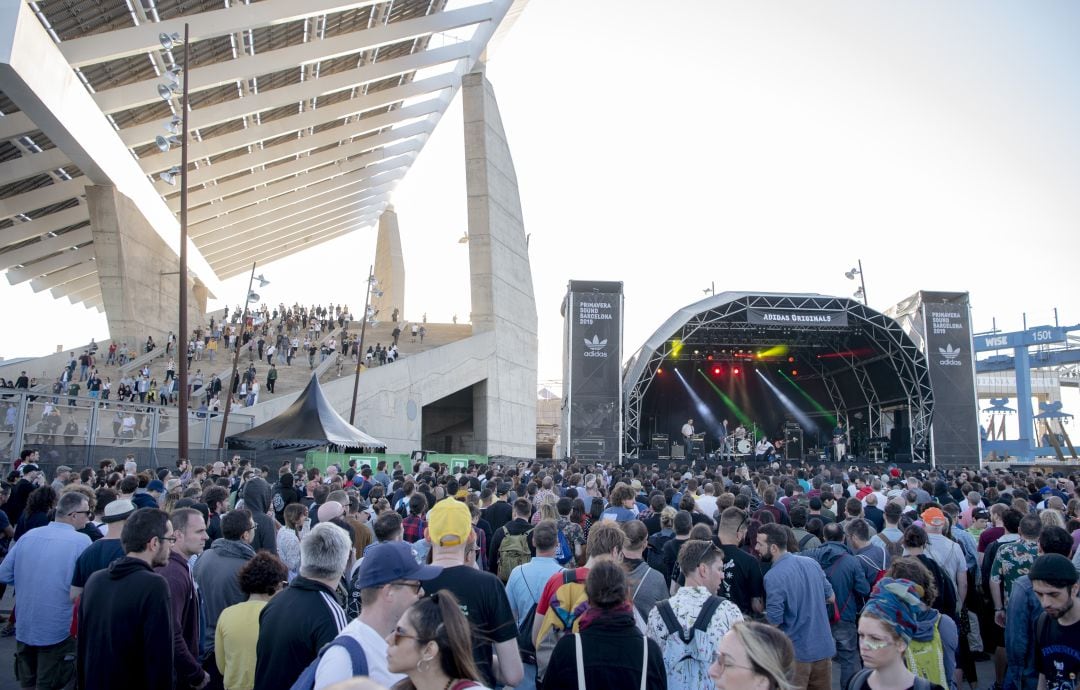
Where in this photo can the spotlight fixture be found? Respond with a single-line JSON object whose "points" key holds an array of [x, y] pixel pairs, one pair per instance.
{"points": [[167, 91], [166, 143], [174, 125], [464, 239], [263, 282], [169, 176], [168, 41], [253, 296]]}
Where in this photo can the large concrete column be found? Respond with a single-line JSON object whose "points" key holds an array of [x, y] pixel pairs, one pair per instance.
{"points": [[138, 271], [389, 268], [502, 290]]}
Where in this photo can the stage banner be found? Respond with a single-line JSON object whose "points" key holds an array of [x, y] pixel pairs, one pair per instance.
{"points": [[946, 327], [801, 317], [592, 370]]}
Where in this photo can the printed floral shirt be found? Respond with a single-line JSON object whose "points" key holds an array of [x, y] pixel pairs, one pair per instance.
{"points": [[1013, 560], [693, 673]]}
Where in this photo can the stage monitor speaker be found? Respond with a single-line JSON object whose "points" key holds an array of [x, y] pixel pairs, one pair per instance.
{"points": [[901, 457], [649, 456], [677, 451]]}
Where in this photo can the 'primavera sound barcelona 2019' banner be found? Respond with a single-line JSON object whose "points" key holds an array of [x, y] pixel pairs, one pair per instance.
{"points": [[592, 370]]}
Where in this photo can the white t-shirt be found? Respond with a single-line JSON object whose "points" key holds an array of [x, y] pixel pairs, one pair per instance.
{"points": [[707, 505], [336, 664], [687, 430]]}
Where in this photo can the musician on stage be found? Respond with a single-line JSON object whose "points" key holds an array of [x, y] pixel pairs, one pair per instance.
{"points": [[763, 450], [724, 438], [839, 443], [740, 432], [688, 436]]}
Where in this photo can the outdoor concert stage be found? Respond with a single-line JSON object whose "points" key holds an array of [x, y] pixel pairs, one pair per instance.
{"points": [[792, 368]]}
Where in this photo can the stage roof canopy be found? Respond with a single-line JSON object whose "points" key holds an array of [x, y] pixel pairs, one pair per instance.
{"points": [[863, 359]]}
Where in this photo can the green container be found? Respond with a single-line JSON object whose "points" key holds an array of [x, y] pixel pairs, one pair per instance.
{"points": [[457, 461]]}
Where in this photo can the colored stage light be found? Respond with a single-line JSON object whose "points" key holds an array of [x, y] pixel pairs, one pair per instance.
{"points": [[717, 371], [794, 372], [735, 371], [790, 359], [709, 356], [660, 371]]}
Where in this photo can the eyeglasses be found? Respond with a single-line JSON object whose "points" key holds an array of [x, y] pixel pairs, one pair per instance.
{"points": [[398, 633], [415, 586], [252, 528], [87, 513], [171, 540], [721, 662]]}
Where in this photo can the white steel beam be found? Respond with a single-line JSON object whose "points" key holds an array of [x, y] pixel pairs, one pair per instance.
{"points": [[247, 66], [88, 282], [46, 247], [291, 247], [15, 125], [359, 186], [42, 197], [312, 88], [20, 232], [259, 214], [240, 17], [373, 149], [297, 145], [34, 164], [59, 278], [77, 265], [239, 242], [37, 77]]}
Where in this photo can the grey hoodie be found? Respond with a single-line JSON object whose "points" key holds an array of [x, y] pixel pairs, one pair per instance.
{"points": [[256, 494], [215, 573]]}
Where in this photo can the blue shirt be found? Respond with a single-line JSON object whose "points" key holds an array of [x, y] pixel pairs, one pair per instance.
{"points": [[795, 590], [526, 584], [41, 565]]}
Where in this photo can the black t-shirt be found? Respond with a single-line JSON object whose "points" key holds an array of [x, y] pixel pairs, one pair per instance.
{"points": [[96, 557], [1057, 653], [498, 514], [482, 598], [743, 580]]}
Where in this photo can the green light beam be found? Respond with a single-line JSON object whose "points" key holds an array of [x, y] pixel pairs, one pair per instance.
{"points": [[817, 406], [746, 421]]}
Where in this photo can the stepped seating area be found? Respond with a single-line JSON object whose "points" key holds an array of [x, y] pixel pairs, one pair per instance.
{"points": [[437, 335]]}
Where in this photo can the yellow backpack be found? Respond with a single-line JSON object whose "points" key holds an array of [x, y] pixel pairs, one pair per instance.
{"points": [[927, 659]]}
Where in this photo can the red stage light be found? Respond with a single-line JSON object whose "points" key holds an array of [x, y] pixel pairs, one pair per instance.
{"points": [[735, 371], [794, 372], [790, 359], [660, 371], [716, 371], [708, 357]]}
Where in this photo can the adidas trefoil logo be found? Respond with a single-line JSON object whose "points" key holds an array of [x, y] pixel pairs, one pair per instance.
{"points": [[949, 352], [595, 344]]}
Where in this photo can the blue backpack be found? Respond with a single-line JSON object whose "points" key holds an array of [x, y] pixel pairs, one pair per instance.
{"points": [[563, 553], [306, 681]]}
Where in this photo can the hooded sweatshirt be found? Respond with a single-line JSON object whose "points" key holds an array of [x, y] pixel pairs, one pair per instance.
{"points": [[846, 577], [216, 574], [256, 495], [125, 610], [950, 639]]}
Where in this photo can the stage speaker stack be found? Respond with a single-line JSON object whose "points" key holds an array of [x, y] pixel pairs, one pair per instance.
{"points": [[793, 442], [649, 456], [661, 446]]}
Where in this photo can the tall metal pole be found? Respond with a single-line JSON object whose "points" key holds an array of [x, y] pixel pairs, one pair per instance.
{"points": [[862, 282], [235, 360], [360, 348], [182, 411]]}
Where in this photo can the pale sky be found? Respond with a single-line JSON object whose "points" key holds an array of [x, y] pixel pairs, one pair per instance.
{"points": [[761, 146]]}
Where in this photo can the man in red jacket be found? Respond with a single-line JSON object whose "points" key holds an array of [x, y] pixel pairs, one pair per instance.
{"points": [[189, 533]]}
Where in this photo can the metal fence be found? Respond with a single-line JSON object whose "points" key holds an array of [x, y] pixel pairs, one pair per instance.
{"points": [[83, 428]]}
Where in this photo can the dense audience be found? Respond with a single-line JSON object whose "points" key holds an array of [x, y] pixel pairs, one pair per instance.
{"points": [[560, 576]]}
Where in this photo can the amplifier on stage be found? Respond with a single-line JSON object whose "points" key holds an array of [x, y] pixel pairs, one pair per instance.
{"points": [[661, 446]]}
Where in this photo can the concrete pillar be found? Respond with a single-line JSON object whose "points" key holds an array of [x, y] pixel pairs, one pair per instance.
{"points": [[389, 268], [138, 272], [502, 289]]}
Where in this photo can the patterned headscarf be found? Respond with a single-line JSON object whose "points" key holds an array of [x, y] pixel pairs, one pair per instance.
{"points": [[896, 603]]}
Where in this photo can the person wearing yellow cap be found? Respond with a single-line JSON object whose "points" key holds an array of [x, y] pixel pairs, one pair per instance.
{"points": [[481, 594]]}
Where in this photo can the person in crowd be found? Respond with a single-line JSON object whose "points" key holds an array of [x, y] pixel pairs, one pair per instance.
{"points": [[390, 582], [40, 565], [215, 573], [945, 552], [1057, 635], [689, 626], [482, 595], [797, 594], [256, 494], [511, 533], [935, 642], [647, 585], [743, 584], [38, 506], [753, 655], [608, 650], [126, 607], [523, 591], [887, 625], [188, 540], [104, 551], [236, 634], [431, 644], [299, 621], [1012, 561], [288, 537]]}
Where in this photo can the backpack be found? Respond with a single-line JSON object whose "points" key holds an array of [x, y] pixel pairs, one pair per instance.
{"points": [[524, 632], [806, 538], [859, 680], [563, 553], [564, 610], [894, 548], [513, 551], [680, 646], [306, 681], [880, 570], [927, 659], [945, 602]]}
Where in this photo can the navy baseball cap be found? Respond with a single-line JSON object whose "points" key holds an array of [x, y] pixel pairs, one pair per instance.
{"points": [[392, 561]]}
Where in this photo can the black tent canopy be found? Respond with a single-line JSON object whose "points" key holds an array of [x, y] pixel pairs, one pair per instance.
{"points": [[310, 422]]}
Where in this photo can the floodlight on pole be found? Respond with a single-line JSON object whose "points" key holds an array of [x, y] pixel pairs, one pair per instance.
{"points": [[166, 143], [168, 41], [858, 271], [166, 91], [170, 175], [263, 282]]}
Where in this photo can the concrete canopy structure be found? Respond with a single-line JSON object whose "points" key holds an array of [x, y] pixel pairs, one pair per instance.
{"points": [[304, 115]]}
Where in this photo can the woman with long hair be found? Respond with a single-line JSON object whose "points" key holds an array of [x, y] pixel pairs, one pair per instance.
{"points": [[596, 509], [288, 537], [432, 646], [888, 624], [38, 504], [608, 651], [753, 656]]}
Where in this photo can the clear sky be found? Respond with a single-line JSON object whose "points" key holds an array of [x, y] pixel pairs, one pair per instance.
{"points": [[758, 145]]}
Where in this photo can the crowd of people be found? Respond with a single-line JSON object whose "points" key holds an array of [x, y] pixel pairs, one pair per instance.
{"points": [[558, 576]]}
